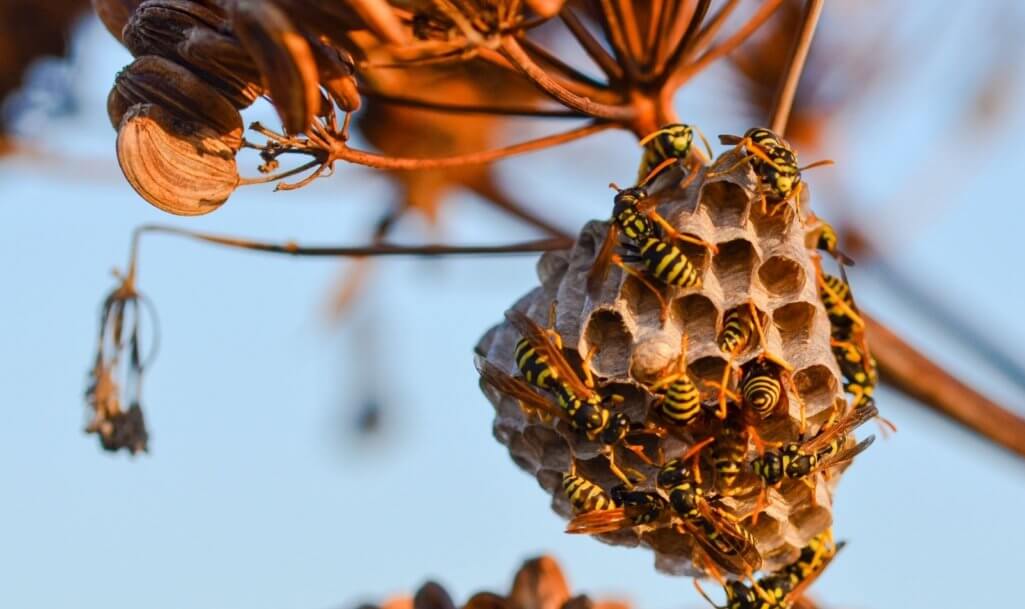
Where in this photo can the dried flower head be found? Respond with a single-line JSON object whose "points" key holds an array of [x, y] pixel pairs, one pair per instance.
{"points": [[119, 340]]}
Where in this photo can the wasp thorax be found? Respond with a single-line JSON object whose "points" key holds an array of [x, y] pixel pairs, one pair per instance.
{"points": [[746, 366]]}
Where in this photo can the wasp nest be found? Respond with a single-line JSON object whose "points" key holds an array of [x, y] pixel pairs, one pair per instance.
{"points": [[539, 584], [761, 259]]}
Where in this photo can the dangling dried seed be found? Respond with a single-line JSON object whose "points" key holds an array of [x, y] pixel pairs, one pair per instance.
{"points": [[158, 26], [155, 80], [178, 166], [337, 75], [222, 61], [114, 14], [284, 58]]}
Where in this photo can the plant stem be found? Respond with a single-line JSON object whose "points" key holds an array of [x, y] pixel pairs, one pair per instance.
{"points": [[605, 62], [795, 66], [438, 106]]}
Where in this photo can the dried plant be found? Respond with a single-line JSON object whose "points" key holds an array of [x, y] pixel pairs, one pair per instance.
{"points": [[435, 82]]}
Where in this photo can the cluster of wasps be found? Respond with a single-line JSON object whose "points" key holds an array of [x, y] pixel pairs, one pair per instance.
{"points": [[687, 492]]}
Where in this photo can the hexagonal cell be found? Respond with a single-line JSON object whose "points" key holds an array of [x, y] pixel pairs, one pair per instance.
{"points": [[731, 204], [733, 266], [781, 276], [795, 322], [698, 316], [551, 267], [651, 356], [550, 446], [641, 300], [708, 368], [606, 331], [817, 387]]}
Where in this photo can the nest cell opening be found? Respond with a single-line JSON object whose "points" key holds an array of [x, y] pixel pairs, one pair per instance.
{"points": [[781, 276], [726, 202], [794, 322], [816, 386], [607, 336], [733, 266], [640, 299], [698, 316]]}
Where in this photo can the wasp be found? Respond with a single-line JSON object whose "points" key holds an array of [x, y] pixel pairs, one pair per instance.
{"points": [[648, 240], [799, 460], [781, 588], [775, 164], [723, 540], [665, 146], [679, 399], [575, 401], [762, 386], [585, 496], [729, 455], [634, 508], [825, 239]]}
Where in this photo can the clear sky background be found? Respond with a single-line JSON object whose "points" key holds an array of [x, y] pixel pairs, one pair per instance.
{"points": [[258, 495]]}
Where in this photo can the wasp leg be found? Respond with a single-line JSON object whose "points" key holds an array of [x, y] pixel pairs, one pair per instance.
{"points": [[621, 261], [675, 234], [693, 454], [617, 472]]}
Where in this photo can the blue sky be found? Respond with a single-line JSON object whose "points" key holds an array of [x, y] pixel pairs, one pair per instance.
{"points": [[256, 494]]}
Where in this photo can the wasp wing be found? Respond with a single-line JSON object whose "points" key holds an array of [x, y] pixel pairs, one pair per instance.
{"points": [[539, 339], [599, 522], [854, 418], [844, 456], [518, 389], [600, 268]]}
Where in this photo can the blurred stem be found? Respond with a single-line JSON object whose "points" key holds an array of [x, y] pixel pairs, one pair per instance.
{"points": [[614, 33], [381, 19], [543, 56], [795, 66], [712, 27], [438, 106], [380, 249], [917, 376], [515, 53], [605, 62], [679, 53], [340, 151], [727, 46]]}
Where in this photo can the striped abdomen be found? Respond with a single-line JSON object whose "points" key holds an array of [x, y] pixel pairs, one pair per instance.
{"points": [[533, 366], [584, 495], [838, 292], [729, 454], [761, 392], [737, 329], [681, 401], [667, 263]]}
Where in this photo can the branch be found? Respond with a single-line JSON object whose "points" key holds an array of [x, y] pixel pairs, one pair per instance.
{"points": [[917, 376], [561, 67], [614, 33], [795, 66], [633, 34], [293, 249], [381, 19], [340, 151], [515, 53], [727, 46], [713, 26], [591, 46], [438, 106], [679, 53]]}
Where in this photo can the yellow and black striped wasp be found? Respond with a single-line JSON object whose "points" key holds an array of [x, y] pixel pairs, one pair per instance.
{"points": [[648, 240], [663, 147], [783, 587], [824, 238], [799, 460], [678, 400], [775, 164], [585, 496], [573, 400]]}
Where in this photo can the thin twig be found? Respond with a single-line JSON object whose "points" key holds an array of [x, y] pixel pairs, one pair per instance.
{"points": [[614, 33], [671, 15], [341, 151], [560, 67], [727, 46], [515, 53], [382, 249], [486, 187], [381, 19], [439, 106], [630, 30], [712, 27], [912, 373], [605, 62], [795, 66], [680, 52], [656, 14]]}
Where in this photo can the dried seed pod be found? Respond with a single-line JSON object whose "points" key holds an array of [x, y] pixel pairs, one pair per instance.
{"points": [[178, 166], [155, 80], [284, 58], [221, 60], [539, 584], [157, 27], [337, 75], [761, 261], [114, 14]]}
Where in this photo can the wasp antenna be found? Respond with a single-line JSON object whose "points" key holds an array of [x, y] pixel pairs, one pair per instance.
{"points": [[615, 187]]}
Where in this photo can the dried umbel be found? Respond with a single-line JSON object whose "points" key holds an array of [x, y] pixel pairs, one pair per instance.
{"points": [[538, 584], [179, 166], [119, 340], [760, 267], [284, 58]]}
